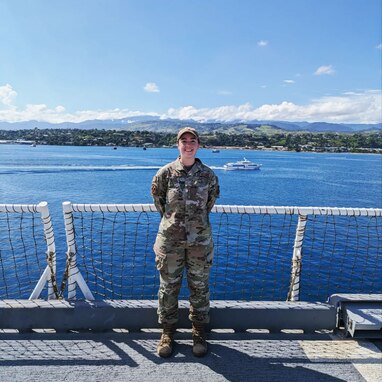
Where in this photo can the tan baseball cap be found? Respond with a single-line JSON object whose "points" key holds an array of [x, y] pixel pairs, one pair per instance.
{"points": [[190, 130]]}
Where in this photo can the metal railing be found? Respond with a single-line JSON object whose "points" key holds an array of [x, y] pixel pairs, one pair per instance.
{"points": [[261, 252], [27, 250], [288, 236]]}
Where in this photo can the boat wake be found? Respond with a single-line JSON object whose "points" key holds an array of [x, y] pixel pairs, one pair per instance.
{"points": [[55, 169], [45, 169], [31, 169]]}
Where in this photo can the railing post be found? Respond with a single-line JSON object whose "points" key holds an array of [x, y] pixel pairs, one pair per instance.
{"points": [[294, 287], [49, 274], [73, 274]]}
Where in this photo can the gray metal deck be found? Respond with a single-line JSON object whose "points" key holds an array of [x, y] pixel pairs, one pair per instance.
{"points": [[359, 314], [78, 341], [250, 356], [135, 315]]}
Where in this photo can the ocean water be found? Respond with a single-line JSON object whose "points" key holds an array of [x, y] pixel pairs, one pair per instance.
{"points": [[105, 175]]}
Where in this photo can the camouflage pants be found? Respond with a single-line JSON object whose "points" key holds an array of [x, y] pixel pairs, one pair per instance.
{"points": [[197, 261]]}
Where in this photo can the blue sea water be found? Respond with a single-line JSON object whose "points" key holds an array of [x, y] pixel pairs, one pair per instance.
{"points": [[103, 175], [56, 174]]}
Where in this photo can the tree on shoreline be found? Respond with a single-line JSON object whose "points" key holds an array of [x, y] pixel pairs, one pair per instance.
{"points": [[291, 141]]}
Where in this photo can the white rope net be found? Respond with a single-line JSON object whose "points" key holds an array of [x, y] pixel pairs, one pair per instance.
{"points": [[339, 251], [26, 243], [261, 252]]}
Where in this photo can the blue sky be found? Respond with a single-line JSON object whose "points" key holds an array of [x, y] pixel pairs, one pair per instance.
{"points": [[293, 60]]}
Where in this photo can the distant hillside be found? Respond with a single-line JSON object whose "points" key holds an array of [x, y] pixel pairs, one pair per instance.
{"points": [[154, 124]]}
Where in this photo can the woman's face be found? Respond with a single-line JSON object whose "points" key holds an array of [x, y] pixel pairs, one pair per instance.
{"points": [[188, 146]]}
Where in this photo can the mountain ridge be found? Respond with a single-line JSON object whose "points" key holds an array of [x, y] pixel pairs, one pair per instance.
{"points": [[155, 124]]}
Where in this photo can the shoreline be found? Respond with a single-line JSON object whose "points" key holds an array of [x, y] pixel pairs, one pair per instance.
{"points": [[335, 150]]}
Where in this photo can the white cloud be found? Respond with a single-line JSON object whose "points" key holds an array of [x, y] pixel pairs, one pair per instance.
{"points": [[379, 46], [151, 87], [57, 114], [289, 81], [350, 107], [325, 69], [59, 109], [262, 43], [7, 95], [362, 107]]}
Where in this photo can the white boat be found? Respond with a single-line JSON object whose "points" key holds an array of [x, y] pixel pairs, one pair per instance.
{"points": [[244, 164]]}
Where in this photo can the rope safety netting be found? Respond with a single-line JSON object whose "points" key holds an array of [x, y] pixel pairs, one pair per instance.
{"points": [[255, 249]]}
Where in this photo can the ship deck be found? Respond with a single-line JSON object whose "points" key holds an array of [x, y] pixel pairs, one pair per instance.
{"points": [[248, 356], [278, 335]]}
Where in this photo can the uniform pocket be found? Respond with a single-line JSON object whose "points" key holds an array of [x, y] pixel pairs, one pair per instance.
{"points": [[160, 261], [160, 258], [199, 191], [173, 196]]}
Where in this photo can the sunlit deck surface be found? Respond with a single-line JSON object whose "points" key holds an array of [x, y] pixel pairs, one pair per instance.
{"points": [[254, 355], [49, 338], [93, 351]]}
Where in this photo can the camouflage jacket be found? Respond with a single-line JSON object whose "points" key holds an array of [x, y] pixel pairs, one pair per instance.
{"points": [[184, 200]]}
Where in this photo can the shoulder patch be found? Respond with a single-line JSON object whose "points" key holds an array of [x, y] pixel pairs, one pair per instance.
{"points": [[154, 190]]}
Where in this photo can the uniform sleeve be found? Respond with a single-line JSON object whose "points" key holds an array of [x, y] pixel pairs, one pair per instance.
{"points": [[158, 192], [213, 192]]}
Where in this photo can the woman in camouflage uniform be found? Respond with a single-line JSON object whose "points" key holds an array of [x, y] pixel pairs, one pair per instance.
{"points": [[184, 192]]}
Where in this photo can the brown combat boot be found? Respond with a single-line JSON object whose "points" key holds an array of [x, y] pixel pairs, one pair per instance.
{"points": [[166, 343], [199, 348]]}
